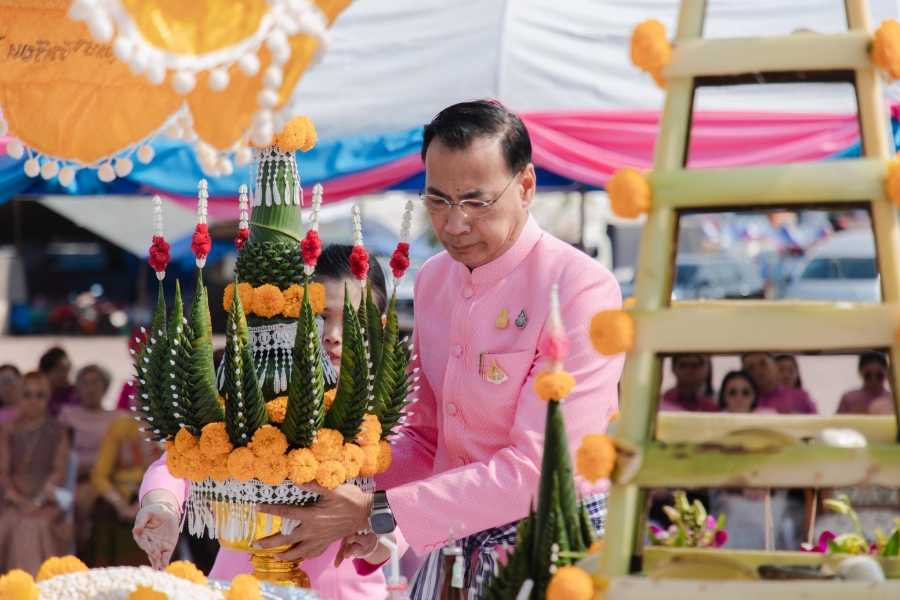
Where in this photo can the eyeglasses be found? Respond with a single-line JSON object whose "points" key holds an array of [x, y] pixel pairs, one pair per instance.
{"points": [[436, 205]]}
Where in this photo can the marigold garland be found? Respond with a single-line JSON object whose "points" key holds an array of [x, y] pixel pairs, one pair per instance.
{"points": [[195, 464], [267, 301], [596, 457], [185, 440], [277, 409], [886, 48], [186, 570], [293, 299], [385, 456], [331, 474], [302, 466], [570, 583], [175, 465], [298, 134], [242, 464], [629, 192], [370, 467], [244, 587], [217, 468], [329, 398], [370, 431], [246, 292], [892, 183], [214, 440], [327, 445], [651, 50], [612, 332], [18, 585], [146, 593], [272, 469], [553, 386], [60, 565], [352, 457], [268, 441]]}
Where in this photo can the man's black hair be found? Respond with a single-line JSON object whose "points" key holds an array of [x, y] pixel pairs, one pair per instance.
{"points": [[459, 125], [334, 264], [51, 358], [872, 357]]}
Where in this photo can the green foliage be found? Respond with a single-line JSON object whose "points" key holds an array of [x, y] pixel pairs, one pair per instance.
{"points": [[403, 380], [510, 577], [691, 526], [354, 389], [386, 370], [278, 263], [374, 330], [150, 376], [891, 547], [202, 398], [306, 408], [245, 410], [175, 391]]}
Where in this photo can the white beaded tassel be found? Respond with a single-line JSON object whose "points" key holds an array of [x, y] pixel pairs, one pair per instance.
{"points": [[158, 227], [314, 221], [357, 234], [243, 206], [202, 196], [404, 230]]}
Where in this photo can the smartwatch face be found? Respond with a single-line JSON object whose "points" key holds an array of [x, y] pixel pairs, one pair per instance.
{"points": [[382, 522]]}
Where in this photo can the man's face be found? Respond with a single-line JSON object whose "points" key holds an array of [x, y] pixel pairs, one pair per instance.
{"points": [[478, 172], [761, 369]]}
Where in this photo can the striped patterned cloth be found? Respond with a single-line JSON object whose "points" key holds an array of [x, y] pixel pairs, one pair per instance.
{"points": [[480, 559]]}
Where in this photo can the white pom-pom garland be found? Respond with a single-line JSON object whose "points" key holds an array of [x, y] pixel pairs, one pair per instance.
{"points": [[243, 157], [15, 150], [273, 77], [123, 167], [49, 169], [32, 167], [249, 65], [145, 154], [106, 173], [156, 73], [219, 79], [66, 176]]}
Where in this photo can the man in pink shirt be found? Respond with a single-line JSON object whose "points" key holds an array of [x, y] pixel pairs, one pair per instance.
{"points": [[772, 395], [469, 462]]}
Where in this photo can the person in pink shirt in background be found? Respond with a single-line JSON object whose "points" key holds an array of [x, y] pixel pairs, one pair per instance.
{"points": [[693, 390], [873, 370], [9, 392], [469, 462], [772, 394]]}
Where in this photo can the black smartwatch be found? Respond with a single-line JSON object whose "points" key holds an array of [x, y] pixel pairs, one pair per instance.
{"points": [[381, 519]]}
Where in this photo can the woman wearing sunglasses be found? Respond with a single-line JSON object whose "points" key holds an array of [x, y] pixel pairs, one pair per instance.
{"points": [[738, 393], [873, 371]]}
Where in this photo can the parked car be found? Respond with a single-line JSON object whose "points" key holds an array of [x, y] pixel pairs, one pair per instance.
{"points": [[839, 268], [701, 276]]}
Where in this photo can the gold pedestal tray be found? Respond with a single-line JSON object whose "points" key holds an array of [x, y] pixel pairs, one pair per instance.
{"points": [[258, 526]]}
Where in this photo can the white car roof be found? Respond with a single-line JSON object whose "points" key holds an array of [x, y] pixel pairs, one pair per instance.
{"points": [[855, 243]]}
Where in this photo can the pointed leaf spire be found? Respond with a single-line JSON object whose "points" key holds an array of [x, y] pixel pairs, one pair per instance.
{"points": [[200, 386], [306, 407]]}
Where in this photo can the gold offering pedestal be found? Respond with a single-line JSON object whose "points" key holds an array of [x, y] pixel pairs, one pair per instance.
{"points": [[241, 527]]}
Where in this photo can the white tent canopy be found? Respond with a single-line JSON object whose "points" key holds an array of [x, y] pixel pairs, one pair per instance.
{"points": [[393, 64]]}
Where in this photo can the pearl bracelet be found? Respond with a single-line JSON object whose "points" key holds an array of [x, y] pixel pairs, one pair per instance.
{"points": [[172, 508], [374, 548]]}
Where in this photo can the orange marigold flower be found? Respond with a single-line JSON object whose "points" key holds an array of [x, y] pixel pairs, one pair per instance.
{"points": [[369, 431], [328, 445], [553, 385], [277, 409], [60, 565], [385, 456], [650, 49], [352, 457], [293, 299], [242, 464], [175, 465], [246, 292], [185, 440], [268, 441], [298, 134], [18, 585], [630, 194], [244, 587], [614, 417], [370, 467], [892, 183], [170, 447], [595, 547], [886, 48], [214, 440], [331, 474], [267, 301], [217, 468], [329, 398], [272, 469], [570, 583], [195, 464], [612, 332], [147, 593], [317, 297], [629, 302], [186, 570], [596, 457], [302, 466]]}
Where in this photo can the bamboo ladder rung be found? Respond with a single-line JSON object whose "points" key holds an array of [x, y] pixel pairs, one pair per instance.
{"points": [[768, 465], [795, 52], [721, 326], [851, 180], [685, 427]]}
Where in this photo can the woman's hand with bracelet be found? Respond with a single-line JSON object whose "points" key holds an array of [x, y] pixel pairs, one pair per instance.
{"points": [[156, 527]]}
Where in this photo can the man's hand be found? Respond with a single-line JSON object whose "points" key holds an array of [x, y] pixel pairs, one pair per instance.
{"points": [[354, 546], [340, 512], [156, 532]]}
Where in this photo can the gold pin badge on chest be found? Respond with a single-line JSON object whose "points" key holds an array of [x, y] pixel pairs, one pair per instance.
{"points": [[495, 374], [503, 319]]}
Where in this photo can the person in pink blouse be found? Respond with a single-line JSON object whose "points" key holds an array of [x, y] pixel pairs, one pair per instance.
{"points": [[772, 394], [693, 390], [469, 462], [873, 370]]}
